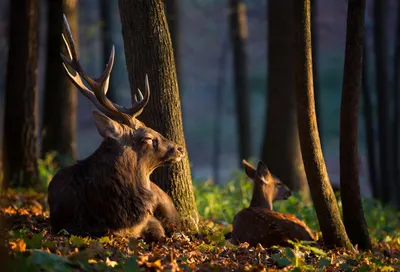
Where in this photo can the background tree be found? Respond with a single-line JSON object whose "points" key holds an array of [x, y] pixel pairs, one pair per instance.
{"points": [[353, 213], [60, 97], [108, 9], [381, 69], [20, 118], [328, 214], [281, 138], [238, 35], [369, 128], [148, 50]]}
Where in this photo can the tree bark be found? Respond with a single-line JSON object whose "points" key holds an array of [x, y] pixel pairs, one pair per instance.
{"points": [[382, 95], [353, 212], [148, 50], [369, 129], [281, 139], [317, 86], [20, 119], [238, 34], [328, 214], [60, 98]]}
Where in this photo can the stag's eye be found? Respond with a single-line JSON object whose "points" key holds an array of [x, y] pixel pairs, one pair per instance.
{"points": [[279, 184], [155, 144]]}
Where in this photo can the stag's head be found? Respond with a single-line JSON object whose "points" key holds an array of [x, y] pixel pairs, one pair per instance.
{"points": [[267, 188], [118, 123]]}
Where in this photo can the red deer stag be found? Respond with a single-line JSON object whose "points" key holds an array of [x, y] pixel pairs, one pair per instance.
{"points": [[111, 191], [259, 223]]}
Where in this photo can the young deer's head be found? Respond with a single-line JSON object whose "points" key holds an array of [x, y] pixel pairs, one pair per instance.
{"points": [[267, 188], [143, 147]]}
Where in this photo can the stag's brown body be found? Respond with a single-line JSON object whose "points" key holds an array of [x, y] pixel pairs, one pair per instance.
{"points": [[111, 189], [259, 223]]}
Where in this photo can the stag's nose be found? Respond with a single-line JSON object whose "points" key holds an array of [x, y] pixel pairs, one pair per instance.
{"points": [[180, 149], [288, 194]]}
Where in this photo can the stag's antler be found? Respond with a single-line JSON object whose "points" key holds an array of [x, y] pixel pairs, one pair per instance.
{"points": [[99, 86]]}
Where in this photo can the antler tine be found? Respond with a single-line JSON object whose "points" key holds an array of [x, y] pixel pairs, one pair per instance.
{"points": [[142, 101]]}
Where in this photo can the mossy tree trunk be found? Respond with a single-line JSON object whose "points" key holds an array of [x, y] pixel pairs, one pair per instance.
{"points": [[353, 213], [148, 50], [60, 99], [328, 214], [20, 118], [281, 139], [238, 36]]}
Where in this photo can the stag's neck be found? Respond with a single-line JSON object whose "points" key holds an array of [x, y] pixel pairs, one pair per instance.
{"points": [[259, 200], [118, 162]]}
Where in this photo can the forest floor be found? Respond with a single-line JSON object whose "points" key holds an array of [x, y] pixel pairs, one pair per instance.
{"points": [[34, 248]]}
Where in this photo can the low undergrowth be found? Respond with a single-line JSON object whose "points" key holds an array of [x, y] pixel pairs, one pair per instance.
{"points": [[32, 247]]}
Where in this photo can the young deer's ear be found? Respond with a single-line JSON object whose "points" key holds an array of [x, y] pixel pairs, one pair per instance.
{"points": [[106, 126], [249, 170], [262, 170]]}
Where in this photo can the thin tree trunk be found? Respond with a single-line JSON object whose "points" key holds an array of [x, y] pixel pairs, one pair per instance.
{"points": [[20, 119], [328, 214], [106, 14], [60, 99], [148, 50], [281, 139], [238, 34], [369, 129], [383, 102], [317, 86], [353, 212]]}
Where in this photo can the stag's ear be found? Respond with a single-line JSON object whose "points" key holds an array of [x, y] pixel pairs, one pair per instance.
{"points": [[249, 169], [106, 126]]}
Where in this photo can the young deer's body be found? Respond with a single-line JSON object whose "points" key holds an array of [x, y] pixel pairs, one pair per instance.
{"points": [[259, 223], [111, 189]]}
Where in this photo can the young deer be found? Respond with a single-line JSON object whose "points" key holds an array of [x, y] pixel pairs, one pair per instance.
{"points": [[111, 189], [259, 223]]}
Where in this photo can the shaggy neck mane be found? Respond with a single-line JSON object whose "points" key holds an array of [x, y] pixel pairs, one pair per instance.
{"points": [[119, 164]]}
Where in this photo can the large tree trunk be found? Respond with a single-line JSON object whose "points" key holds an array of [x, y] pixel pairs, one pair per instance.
{"points": [[353, 213], [369, 129], [383, 102], [148, 50], [60, 99], [328, 214], [238, 34], [281, 139], [20, 119]]}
